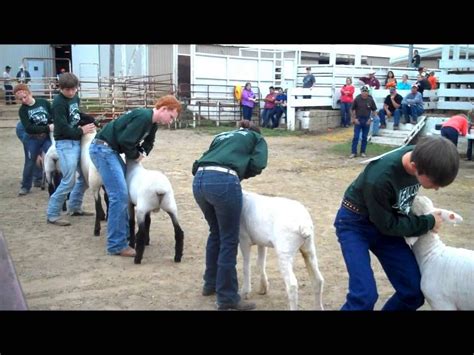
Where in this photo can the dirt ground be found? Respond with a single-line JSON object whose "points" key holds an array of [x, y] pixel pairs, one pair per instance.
{"points": [[68, 268]]}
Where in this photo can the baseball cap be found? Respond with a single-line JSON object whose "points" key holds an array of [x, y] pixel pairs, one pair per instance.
{"points": [[415, 86], [364, 88]]}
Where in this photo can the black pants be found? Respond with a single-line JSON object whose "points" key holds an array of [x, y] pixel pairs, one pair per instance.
{"points": [[9, 97]]}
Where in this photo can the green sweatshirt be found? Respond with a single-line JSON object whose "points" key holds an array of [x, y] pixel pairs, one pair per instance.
{"points": [[66, 118], [37, 117], [385, 192], [242, 150], [126, 133]]}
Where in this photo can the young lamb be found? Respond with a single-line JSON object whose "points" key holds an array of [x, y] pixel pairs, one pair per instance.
{"points": [[285, 225], [93, 180], [150, 190], [447, 273]]}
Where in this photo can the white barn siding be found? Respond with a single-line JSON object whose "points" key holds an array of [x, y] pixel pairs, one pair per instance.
{"points": [[160, 59], [12, 55]]}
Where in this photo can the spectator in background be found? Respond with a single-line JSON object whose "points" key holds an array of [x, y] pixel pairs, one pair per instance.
{"points": [[371, 80], [455, 126], [363, 108], [347, 97], [404, 84], [433, 80], [390, 81], [416, 60], [412, 105], [469, 143], [7, 84], [308, 81], [269, 107], [391, 108], [248, 101], [23, 76], [280, 108]]}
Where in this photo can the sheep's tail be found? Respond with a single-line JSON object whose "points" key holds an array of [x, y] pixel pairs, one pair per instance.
{"points": [[306, 230]]}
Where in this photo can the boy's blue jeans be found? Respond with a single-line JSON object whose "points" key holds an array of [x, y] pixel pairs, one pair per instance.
{"points": [[357, 236]]}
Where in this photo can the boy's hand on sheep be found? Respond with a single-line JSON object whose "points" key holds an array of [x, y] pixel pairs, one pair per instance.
{"points": [[438, 221]]}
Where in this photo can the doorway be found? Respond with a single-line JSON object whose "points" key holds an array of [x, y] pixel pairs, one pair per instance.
{"points": [[62, 53], [184, 77]]}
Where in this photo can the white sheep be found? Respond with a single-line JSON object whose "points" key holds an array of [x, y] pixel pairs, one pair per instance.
{"points": [[150, 190], [285, 225], [447, 273], [93, 180]]}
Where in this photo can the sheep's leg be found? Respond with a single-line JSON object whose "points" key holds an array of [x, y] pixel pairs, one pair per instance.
{"points": [[286, 267], [261, 262], [131, 224], [140, 237], [147, 228], [106, 199], [308, 250], [246, 285], [178, 238], [99, 212]]}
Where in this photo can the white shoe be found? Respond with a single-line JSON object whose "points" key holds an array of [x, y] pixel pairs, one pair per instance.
{"points": [[352, 156]]}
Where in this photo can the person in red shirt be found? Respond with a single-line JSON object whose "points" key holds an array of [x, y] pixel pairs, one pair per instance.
{"points": [[347, 93], [433, 81], [455, 126]]}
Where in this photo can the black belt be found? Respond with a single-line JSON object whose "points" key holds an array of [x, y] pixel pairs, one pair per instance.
{"points": [[38, 135], [101, 142], [350, 206]]}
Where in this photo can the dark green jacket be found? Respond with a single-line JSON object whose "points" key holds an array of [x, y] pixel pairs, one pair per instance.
{"points": [[66, 118], [37, 117], [385, 192], [242, 150], [126, 133]]}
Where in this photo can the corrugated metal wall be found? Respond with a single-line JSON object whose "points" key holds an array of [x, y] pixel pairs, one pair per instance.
{"points": [[160, 59], [12, 55]]}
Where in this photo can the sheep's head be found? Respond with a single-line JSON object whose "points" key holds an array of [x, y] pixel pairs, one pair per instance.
{"points": [[423, 205]]}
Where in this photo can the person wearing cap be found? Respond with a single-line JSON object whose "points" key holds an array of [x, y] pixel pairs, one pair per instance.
{"points": [[7, 84], [362, 109], [371, 80], [232, 157], [23, 76], [412, 105], [308, 81], [391, 108]]}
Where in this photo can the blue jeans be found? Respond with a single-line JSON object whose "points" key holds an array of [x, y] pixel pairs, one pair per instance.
{"points": [[219, 195], [247, 112], [413, 111], [268, 114], [451, 134], [469, 149], [33, 148], [69, 153], [112, 169], [345, 113], [357, 235], [37, 171], [9, 97], [395, 114], [358, 128]]}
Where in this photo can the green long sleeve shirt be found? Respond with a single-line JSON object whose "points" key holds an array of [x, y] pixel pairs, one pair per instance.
{"points": [[131, 130], [242, 150], [385, 191], [37, 117], [66, 118]]}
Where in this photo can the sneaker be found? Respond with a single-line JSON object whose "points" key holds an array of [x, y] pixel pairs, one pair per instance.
{"points": [[37, 183], [395, 128], [23, 192], [363, 155], [128, 251], [81, 213], [59, 222], [352, 156], [208, 291], [241, 306]]}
